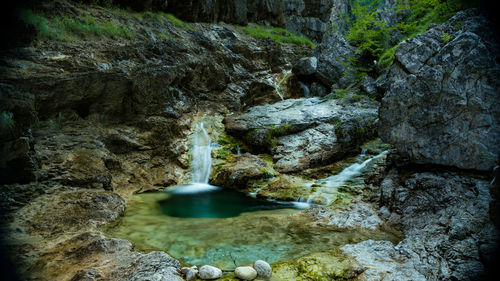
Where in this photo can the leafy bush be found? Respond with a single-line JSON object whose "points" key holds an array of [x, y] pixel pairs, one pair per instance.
{"points": [[276, 34]]}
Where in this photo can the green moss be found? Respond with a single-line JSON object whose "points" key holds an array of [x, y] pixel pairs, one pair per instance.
{"points": [[337, 94], [338, 128], [328, 265], [284, 187], [276, 34]]}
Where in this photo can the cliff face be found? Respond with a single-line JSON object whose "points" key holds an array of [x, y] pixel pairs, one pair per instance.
{"points": [[442, 105], [312, 18]]}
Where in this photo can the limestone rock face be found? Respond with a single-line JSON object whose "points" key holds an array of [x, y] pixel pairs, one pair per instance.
{"points": [[300, 133], [448, 232], [245, 272], [442, 104], [239, 12], [315, 18], [208, 272], [332, 55]]}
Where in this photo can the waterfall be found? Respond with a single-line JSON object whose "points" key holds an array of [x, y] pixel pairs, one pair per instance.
{"points": [[202, 156], [330, 184], [201, 165]]}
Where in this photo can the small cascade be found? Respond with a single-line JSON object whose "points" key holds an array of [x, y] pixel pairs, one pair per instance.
{"points": [[238, 151], [329, 185], [202, 165], [277, 86], [305, 90], [202, 156]]}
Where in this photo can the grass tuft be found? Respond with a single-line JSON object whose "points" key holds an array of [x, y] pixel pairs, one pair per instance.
{"points": [[276, 34], [71, 29]]}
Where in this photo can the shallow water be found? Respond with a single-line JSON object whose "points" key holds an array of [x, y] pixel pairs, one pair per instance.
{"points": [[270, 235]]}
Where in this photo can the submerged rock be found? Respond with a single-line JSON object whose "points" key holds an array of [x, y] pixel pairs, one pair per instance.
{"points": [[245, 272], [442, 104], [360, 216], [263, 269], [208, 272], [381, 260]]}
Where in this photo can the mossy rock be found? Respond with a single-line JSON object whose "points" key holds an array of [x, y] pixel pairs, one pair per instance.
{"points": [[328, 265], [286, 187], [375, 146]]}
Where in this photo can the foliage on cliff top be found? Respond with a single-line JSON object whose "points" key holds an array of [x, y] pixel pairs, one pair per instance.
{"points": [[276, 34], [370, 34], [70, 29]]}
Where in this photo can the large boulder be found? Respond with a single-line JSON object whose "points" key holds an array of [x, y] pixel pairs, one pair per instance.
{"points": [[241, 171], [300, 133], [333, 54], [442, 104]]}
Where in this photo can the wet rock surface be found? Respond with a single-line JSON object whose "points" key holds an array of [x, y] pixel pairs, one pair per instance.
{"points": [[306, 132], [241, 171], [442, 102]]}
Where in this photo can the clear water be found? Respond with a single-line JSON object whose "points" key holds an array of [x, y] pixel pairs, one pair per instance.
{"points": [[271, 235], [198, 201]]}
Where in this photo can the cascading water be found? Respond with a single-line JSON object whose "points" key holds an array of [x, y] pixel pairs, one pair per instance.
{"points": [[202, 156], [202, 164], [330, 184]]}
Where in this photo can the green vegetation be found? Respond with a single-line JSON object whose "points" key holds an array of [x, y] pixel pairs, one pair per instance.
{"points": [[387, 57], [160, 17], [276, 34], [446, 37], [71, 29], [177, 22], [367, 34], [371, 36]]}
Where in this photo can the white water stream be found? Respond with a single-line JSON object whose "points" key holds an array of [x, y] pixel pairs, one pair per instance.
{"points": [[329, 185], [202, 164]]}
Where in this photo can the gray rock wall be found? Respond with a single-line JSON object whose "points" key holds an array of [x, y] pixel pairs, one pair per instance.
{"points": [[442, 105]]}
